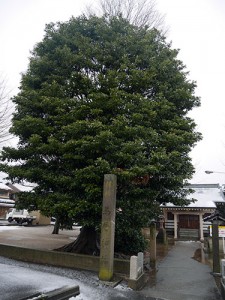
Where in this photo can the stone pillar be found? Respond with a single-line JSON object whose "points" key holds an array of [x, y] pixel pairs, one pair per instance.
{"points": [[152, 243], [133, 267], [175, 226], [162, 236], [136, 266], [223, 268], [108, 228], [201, 228], [140, 261], [137, 276]]}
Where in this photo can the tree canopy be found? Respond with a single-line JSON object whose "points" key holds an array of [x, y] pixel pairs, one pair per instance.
{"points": [[102, 95]]}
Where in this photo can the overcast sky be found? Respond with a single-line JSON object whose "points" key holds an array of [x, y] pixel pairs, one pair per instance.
{"points": [[196, 27]]}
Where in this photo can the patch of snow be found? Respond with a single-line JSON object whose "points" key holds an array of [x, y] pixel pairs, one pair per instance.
{"points": [[4, 187], [41, 278], [122, 287], [26, 187], [80, 297], [5, 228]]}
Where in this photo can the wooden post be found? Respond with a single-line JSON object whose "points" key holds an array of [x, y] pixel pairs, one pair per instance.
{"points": [[108, 228], [215, 247], [175, 226], [201, 227], [152, 245]]}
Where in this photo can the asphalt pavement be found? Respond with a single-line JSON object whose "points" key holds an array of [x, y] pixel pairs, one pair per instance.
{"points": [[183, 273]]}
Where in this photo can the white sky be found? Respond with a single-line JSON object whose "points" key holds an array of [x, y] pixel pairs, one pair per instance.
{"points": [[196, 27]]}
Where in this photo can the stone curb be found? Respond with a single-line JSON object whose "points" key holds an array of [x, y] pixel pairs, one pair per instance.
{"points": [[63, 293], [61, 259]]}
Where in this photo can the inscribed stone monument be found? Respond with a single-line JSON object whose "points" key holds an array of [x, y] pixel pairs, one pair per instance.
{"points": [[108, 228]]}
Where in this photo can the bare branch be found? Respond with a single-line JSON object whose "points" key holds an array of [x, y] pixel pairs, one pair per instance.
{"points": [[6, 110], [138, 12]]}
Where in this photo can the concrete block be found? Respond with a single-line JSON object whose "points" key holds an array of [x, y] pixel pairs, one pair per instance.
{"points": [[137, 284], [61, 259]]}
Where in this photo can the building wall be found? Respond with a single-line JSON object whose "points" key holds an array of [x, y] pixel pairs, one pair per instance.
{"points": [[40, 219], [3, 211], [4, 195]]}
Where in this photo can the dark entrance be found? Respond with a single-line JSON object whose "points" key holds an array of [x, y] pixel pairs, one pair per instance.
{"points": [[189, 221]]}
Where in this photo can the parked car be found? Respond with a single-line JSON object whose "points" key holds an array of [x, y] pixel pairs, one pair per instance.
{"points": [[20, 216]]}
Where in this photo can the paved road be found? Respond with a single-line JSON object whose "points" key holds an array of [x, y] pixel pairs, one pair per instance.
{"points": [[180, 277]]}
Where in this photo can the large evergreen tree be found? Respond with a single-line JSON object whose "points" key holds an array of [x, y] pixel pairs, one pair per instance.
{"points": [[103, 96]]}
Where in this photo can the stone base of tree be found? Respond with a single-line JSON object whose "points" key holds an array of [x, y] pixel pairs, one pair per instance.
{"points": [[86, 243]]}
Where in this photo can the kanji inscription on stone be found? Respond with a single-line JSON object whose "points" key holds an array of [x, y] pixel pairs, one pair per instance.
{"points": [[108, 228]]}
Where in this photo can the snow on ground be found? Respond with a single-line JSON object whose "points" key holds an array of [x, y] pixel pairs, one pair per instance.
{"points": [[32, 278], [20, 279], [5, 228]]}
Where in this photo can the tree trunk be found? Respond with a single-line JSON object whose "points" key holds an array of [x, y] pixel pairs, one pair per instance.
{"points": [[56, 227], [86, 243]]}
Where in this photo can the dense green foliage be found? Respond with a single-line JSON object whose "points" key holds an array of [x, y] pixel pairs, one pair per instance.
{"points": [[103, 96]]}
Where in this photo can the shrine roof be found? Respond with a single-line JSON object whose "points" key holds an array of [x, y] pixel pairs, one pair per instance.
{"points": [[205, 196]]}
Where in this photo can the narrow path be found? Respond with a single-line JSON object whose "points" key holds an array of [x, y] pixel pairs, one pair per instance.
{"points": [[181, 277]]}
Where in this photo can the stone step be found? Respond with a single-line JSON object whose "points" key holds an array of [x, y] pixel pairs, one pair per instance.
{"points": [[188, 233], [188, 230]]}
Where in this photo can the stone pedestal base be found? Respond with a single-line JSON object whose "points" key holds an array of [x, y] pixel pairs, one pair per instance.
{"points": [[137, 284]]}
